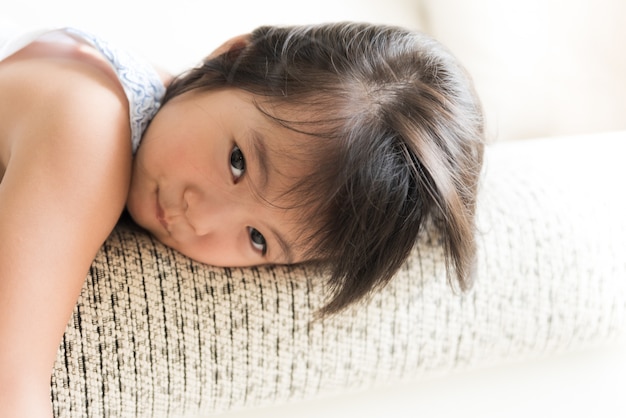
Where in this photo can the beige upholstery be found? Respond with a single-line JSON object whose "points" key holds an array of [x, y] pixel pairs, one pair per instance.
{"points": [[157, 335]]}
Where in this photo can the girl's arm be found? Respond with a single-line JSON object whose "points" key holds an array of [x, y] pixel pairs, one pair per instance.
{"points": [[64, 187]]}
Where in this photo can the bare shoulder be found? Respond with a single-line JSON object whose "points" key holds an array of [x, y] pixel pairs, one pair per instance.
{"points": [[55, 85], [63, 100], [64, 124]]}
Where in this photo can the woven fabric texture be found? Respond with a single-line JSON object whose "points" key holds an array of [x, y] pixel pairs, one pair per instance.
{"points": [[157, 335]]}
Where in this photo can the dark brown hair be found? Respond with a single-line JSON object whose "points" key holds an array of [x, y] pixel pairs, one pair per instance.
{"points": [[396, 138]]}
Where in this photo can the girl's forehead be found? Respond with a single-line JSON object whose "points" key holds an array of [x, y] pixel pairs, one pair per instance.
{"points": [[278, 157], [275, 138]]}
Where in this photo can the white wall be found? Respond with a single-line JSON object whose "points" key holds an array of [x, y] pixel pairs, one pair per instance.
{"points": [[542, 67], [178, 33]]}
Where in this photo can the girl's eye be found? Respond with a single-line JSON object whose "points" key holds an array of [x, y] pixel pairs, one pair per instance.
{"points": [[257, 240], [237, 163]]}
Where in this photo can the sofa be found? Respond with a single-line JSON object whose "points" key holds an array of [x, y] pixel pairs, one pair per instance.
{"points": [[155, 334]]}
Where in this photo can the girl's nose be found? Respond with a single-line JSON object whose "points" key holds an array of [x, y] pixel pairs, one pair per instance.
{"points": [[206, 214], [201, 214]]}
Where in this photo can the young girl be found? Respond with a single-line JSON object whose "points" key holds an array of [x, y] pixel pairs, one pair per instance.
{"points": [[331, 144]]}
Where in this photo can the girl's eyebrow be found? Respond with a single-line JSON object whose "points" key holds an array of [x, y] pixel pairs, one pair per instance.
{"points": [[283, 245], [260, 156]]}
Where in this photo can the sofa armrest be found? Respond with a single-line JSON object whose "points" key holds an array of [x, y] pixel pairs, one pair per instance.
{"points": [[156, 334]]}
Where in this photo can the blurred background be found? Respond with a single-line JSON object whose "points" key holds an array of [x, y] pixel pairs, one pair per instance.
{"points": [[541, 67]]}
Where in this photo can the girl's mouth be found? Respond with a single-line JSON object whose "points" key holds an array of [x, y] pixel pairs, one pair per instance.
{"points": [[160, 214]]}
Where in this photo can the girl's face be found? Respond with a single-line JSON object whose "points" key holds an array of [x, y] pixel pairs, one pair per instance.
{"points": [[207, 181]]}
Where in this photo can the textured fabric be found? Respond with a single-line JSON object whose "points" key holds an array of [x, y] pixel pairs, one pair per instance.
{"points": [[157, 335], [142, 84]]}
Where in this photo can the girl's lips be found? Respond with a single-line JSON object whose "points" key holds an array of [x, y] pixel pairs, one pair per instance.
{"points": [[160, 213]]}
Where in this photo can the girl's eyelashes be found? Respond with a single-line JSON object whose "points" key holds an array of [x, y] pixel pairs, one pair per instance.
{"points": [[237, 163], [238, 168], [257, 240]]}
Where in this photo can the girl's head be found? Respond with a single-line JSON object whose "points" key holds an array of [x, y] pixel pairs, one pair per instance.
{"points": [[340, 140]]}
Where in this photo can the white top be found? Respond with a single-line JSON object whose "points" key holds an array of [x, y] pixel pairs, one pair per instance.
{"points": [[142, 84]]}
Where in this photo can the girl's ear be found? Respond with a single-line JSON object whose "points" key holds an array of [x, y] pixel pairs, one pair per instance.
{"points": [[233, 45]]}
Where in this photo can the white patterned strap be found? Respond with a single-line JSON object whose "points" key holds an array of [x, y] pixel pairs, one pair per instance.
{"points": [[140, 81]]}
